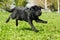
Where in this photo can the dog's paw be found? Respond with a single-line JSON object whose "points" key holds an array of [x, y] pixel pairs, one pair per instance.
{"points": [[45, 22], [6, 22], [36, 30]]}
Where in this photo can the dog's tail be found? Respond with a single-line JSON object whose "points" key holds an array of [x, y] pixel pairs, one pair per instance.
{"points": [[11, 10]]}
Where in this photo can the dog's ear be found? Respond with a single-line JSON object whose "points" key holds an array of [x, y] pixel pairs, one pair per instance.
{"points": [[34, 8]]}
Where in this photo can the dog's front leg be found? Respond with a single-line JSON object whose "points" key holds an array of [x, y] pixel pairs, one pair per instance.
{"points": [[32, 26], [40, 21], [16, 21]]}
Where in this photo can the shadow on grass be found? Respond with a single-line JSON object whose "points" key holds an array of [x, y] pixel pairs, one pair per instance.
{"points": [[26, 29], [29, 29]]}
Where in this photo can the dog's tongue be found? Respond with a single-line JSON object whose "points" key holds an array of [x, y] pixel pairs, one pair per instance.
{"points": [[29, 5]]}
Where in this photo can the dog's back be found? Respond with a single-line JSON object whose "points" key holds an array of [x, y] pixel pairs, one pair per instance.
{"points": [[22, 12]]}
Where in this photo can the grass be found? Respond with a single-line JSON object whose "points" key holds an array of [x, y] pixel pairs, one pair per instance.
{"points": [[49, 31]]}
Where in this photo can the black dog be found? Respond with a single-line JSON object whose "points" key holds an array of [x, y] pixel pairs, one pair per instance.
{"points": [[27, 14]]}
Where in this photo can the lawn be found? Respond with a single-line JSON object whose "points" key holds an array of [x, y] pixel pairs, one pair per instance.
{"points": [[49, 31]]}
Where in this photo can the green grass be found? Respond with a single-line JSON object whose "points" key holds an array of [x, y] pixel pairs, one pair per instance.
{"points": [[49, 31]]}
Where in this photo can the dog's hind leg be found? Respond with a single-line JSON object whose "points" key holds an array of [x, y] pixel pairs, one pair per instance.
{"points": [[16, 21], [8, 20]]}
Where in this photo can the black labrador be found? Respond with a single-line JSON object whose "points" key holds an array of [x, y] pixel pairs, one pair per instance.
{"points": [[26, 14]]}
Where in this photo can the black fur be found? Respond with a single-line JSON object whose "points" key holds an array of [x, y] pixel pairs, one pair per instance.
{"points": [[26, 14]]}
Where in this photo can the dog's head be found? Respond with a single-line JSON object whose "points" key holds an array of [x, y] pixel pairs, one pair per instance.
{"points": [[37, 10]]}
